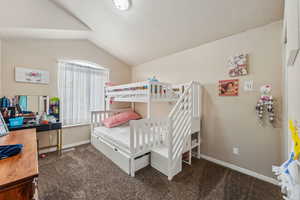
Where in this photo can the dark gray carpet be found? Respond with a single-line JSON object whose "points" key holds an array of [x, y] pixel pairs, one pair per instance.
{"points": [[86, 174]]}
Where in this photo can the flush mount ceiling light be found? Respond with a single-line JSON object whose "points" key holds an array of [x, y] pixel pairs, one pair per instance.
{"points": [[122, 4]]}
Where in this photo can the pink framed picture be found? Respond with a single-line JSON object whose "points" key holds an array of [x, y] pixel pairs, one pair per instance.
{"points": [[229, 87]]}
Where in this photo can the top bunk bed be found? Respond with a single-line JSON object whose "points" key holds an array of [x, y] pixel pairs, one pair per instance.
{"points": [[146, 92]]}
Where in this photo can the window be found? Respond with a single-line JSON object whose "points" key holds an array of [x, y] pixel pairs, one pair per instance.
{"points": [[81, 89]]}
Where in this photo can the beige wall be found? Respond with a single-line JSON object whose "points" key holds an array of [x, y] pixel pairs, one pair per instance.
{"points": [[0, 68], [43, 54], [231, 121]]}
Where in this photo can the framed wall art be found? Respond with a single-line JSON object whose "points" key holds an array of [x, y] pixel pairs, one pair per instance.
{"points": [[237, 65], [27, 75], [229, 87]]}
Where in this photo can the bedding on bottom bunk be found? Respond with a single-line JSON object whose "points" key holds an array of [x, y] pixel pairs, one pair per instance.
{"points": [[120, 136]]}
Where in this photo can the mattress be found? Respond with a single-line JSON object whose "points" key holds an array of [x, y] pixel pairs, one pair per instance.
{"points": [[120, 136]]}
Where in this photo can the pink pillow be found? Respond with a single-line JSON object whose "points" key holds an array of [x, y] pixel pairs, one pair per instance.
{"points": [[110, 84], [120, 119]]}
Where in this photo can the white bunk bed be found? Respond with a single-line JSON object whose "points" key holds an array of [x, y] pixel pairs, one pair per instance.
{"points": [[166, 139], [144, 92]]}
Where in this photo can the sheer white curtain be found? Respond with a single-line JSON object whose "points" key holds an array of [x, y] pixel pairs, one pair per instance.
{"points": [[81, 89]]}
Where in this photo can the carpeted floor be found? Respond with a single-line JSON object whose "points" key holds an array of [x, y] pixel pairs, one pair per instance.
{"points": [[85, 174]]}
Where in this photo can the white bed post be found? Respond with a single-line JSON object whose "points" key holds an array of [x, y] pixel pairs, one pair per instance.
{"points": [[199, 107], [149, 110], [92, 121], [170, 173], [132, 166], [149, 100], [105, 98], [192, 104]]}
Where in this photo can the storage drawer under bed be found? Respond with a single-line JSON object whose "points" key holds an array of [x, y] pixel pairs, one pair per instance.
{"points": [[118, 157]]}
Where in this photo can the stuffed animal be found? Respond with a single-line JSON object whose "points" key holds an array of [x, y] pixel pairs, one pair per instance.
{"points": [[288, 177], [153, 79], [266, 89], [266, 102], [288, 173]]}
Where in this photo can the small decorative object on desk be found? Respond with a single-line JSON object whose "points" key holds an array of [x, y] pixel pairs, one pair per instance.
{"points": [[4, 102], [17, 121], [3, 126], [51, 119], [54, 109], [44, 119]]}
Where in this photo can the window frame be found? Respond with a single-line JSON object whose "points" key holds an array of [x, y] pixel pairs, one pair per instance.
{"points": [[87, 64]]}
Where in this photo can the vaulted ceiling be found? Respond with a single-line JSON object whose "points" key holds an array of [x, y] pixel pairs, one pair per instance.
{"points": [[36, 14], [149, 29], [155, 28], [39, 19]]}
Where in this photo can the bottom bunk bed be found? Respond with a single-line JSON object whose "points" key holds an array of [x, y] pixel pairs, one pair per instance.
{"points": [[133, 146], [116, 153], [128, 146]]}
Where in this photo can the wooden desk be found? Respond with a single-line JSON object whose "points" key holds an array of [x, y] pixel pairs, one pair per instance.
{"points": [[18, 173]]}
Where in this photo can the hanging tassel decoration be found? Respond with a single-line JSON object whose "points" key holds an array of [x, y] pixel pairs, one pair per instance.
{"points": [[260, 109]]}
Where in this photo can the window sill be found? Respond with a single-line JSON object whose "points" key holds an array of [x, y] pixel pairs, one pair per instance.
{"points": [[76, 125]]}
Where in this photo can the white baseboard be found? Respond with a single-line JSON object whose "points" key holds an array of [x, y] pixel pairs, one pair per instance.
{"points": [[241, 170], [67, 146]]}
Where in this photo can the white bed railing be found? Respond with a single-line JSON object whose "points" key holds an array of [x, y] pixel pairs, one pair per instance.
{"points": [[143, 92], [146, 134], [161, 91]]}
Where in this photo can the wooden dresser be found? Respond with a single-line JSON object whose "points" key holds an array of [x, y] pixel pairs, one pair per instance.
{"points": [[18, 173]]}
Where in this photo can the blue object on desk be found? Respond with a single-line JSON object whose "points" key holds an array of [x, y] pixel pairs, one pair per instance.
{"points": [[4, 102], [18, 121], [23, 102], [7, 151]]}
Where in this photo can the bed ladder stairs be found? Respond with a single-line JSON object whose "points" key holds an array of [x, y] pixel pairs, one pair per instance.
{"points": [[168, 157]]}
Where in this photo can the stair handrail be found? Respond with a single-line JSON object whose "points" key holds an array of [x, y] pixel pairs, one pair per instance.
{"points": [[173, 159], [182, 96]]}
